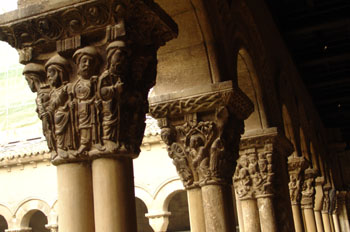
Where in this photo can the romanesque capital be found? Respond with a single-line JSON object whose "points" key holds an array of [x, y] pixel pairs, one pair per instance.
{"points": [[308, 189], [52, 227], [296, 165], [319, 196], [326, 201], [91, 64], [202, 131], [255, 174]]}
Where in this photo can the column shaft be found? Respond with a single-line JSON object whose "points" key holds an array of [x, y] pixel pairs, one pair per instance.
{"points": [[75, 198], [309, 219], [343, 219], [114, 197], [266, 214], [218, 208], [298, 223], [250, 215], [336, 223], [318, 219], [240, 214], [326, 223], [196, 211]]}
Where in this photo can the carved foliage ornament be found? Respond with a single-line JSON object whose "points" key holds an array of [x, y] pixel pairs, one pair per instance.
{"points": [[94, 110], [202, 151]]}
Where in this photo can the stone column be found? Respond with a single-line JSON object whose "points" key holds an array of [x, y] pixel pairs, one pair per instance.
{"points": [[195, 208], [159, 222], [319, 203], [325, 210], [296, 165], [255, 180], [202, 129], [239, 213], [307, 199], [52, 227], [92, 64], [342, 211]]}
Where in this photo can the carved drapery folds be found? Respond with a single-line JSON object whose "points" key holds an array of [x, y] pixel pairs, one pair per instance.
{"points": [[254, 175], [202, 132], [92, 64], [296, 166]]}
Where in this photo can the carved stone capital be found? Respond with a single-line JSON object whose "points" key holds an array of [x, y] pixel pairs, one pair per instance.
{"points": [[308, 189], [254, 175], [326, 202], [52, 227], [91, 64], [296, 165], [202, 132]]}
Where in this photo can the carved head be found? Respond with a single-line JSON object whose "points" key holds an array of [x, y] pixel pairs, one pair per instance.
{"points": [[88, 60], [167, 136], [35, 76], [196, 141], [57, 69], [243, 161], [117, 57]]}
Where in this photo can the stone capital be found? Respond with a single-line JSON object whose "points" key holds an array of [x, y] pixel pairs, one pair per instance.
{"points": [[52, 227], [296, 165], [159, 221], [308, 189], [91, 64], [255, 174], [202, 131]]}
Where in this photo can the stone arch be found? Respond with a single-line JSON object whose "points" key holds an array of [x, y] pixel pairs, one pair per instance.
{"points": [[143, 194], [178, 207], [288, 126], [28, 208], [3, 224], [248, 82], [141, 211], [164, 193], [303, 145], [6, 213]]}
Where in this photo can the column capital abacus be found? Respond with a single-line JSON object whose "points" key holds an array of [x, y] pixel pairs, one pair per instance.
{"points": [[91, 64], [202, 131]]}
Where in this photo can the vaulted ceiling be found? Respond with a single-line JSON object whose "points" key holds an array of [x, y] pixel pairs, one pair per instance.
{"points": [[317, 34]]}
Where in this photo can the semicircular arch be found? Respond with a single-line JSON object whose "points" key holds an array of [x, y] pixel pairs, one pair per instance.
{"points": [[26, 209]]}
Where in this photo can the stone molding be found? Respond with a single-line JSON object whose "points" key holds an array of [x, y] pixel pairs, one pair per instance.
{"points": [[19, 230], [296, 166], [96, 107], [196, 128], [255, 174]]}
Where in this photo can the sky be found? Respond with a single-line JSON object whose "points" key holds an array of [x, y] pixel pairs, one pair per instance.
{"points": [[7, 5]]}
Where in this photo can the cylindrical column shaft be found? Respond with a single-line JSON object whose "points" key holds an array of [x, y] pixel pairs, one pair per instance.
{"points": [[298, 223], [326, 223], [218, 208], [267, 214], [343, 219], [75, 197], [240, 214], [309, 219], [250, 215], [318, 219], [196, 211], [114, 197], [336, 223]]}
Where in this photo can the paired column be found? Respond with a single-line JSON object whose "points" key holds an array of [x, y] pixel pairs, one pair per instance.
{"points": [[296, 165], [255, 179], [319, 203], [159, 222], [202, 131], [92, 72], [342, 211], [326, 209], [307, 199]]}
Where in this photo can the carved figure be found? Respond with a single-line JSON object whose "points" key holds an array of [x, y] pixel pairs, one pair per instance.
{"points": [[241, 177], [254, 171], [57, 69], [294, 188], [109, 88], [36, 78], [87, 60]]}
